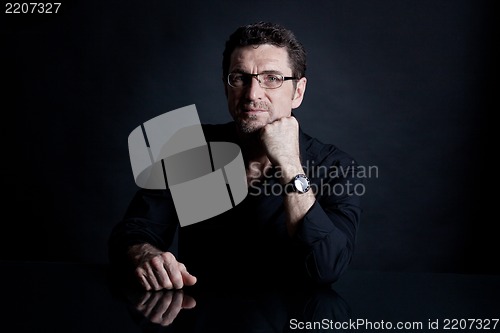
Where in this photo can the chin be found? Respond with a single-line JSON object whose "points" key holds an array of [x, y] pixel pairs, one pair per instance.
{"points": [[249, 127]]}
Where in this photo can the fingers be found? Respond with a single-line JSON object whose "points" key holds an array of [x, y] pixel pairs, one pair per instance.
{"points": [[174, 275], [153, 306], [163, 307], [164, 272], [173, 309], [280, 140], [188, 302], [153, 276], [187, 278]]}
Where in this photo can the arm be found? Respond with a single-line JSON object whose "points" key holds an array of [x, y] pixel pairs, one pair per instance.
{"points": [[327, 234], [324, 220], [280, 140], [144, 243]]}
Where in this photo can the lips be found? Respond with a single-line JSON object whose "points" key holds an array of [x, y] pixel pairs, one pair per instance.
{"points": [[253, 110]]}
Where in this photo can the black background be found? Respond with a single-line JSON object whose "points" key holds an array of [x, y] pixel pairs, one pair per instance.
{"points": [[405, 86]]}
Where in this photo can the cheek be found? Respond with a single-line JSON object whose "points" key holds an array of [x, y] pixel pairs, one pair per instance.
{"points": [[284, 96], [284, 99]]}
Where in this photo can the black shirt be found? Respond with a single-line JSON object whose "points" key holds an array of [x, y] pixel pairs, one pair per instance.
{"points": [[250, 243]]}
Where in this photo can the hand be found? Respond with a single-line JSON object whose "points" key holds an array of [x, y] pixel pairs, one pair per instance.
{"points": [[280, 140], [158, 270], [162, 307]]}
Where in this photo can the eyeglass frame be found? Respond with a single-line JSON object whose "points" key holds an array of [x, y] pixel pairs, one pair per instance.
{"points": [[284, 78]]}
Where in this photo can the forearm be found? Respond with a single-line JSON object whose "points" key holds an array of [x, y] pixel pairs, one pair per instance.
{"points": [[150, 219], [328, 240], [296, 204], [280, 140]]}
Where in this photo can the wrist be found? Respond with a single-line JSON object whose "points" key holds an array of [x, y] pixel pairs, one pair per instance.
{"points": [[288, 171], [138, 253], [300, 184]]}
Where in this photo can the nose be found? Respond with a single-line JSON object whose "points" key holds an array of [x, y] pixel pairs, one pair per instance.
{"points": [[253, 89]]}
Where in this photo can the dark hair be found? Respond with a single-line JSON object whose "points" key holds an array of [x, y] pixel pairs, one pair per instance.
{"points": [[266, 33]]}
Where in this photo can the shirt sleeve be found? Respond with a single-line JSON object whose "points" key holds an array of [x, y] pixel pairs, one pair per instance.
{"points": [[328, 230], [150, 218]]}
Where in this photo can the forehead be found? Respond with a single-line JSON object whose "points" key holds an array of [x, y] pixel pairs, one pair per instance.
{"points": [[261, 57]]}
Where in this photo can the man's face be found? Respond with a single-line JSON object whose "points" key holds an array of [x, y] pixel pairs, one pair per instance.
{"points": [[252, 107]]}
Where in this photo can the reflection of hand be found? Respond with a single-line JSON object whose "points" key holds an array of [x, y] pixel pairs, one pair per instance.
{"points": [[162, 307]]}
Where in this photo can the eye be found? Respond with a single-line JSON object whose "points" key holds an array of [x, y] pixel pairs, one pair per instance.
{"points": [[272, 78], [237, 77]]}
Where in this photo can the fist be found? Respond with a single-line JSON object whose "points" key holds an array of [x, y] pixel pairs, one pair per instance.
{"points": [[280, 140]]}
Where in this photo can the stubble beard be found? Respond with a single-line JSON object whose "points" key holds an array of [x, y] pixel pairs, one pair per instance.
{"points": [[249, 124]]}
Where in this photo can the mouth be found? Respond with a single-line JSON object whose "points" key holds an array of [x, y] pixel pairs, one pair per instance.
{"points": [[252, 111]]}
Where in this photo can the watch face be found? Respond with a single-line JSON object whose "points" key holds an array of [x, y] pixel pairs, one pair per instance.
{"points": [[301, 183]]}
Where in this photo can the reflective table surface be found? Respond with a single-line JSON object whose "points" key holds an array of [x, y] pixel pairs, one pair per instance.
{"points": [[70, 297]]}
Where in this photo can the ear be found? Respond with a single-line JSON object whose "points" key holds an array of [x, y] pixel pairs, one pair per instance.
{"points": [[300, 90]]}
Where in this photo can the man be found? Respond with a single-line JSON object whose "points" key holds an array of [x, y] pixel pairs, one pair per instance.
{"points": [[299, 219]]}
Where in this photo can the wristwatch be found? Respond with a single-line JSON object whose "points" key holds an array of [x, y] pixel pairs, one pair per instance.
{"points": [[299, 184]]}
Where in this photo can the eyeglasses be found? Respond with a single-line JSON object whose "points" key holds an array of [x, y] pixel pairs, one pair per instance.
{"points": [[266, 80]]}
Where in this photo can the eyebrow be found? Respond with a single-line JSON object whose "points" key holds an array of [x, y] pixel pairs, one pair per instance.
{"points": [[263, 72]]}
